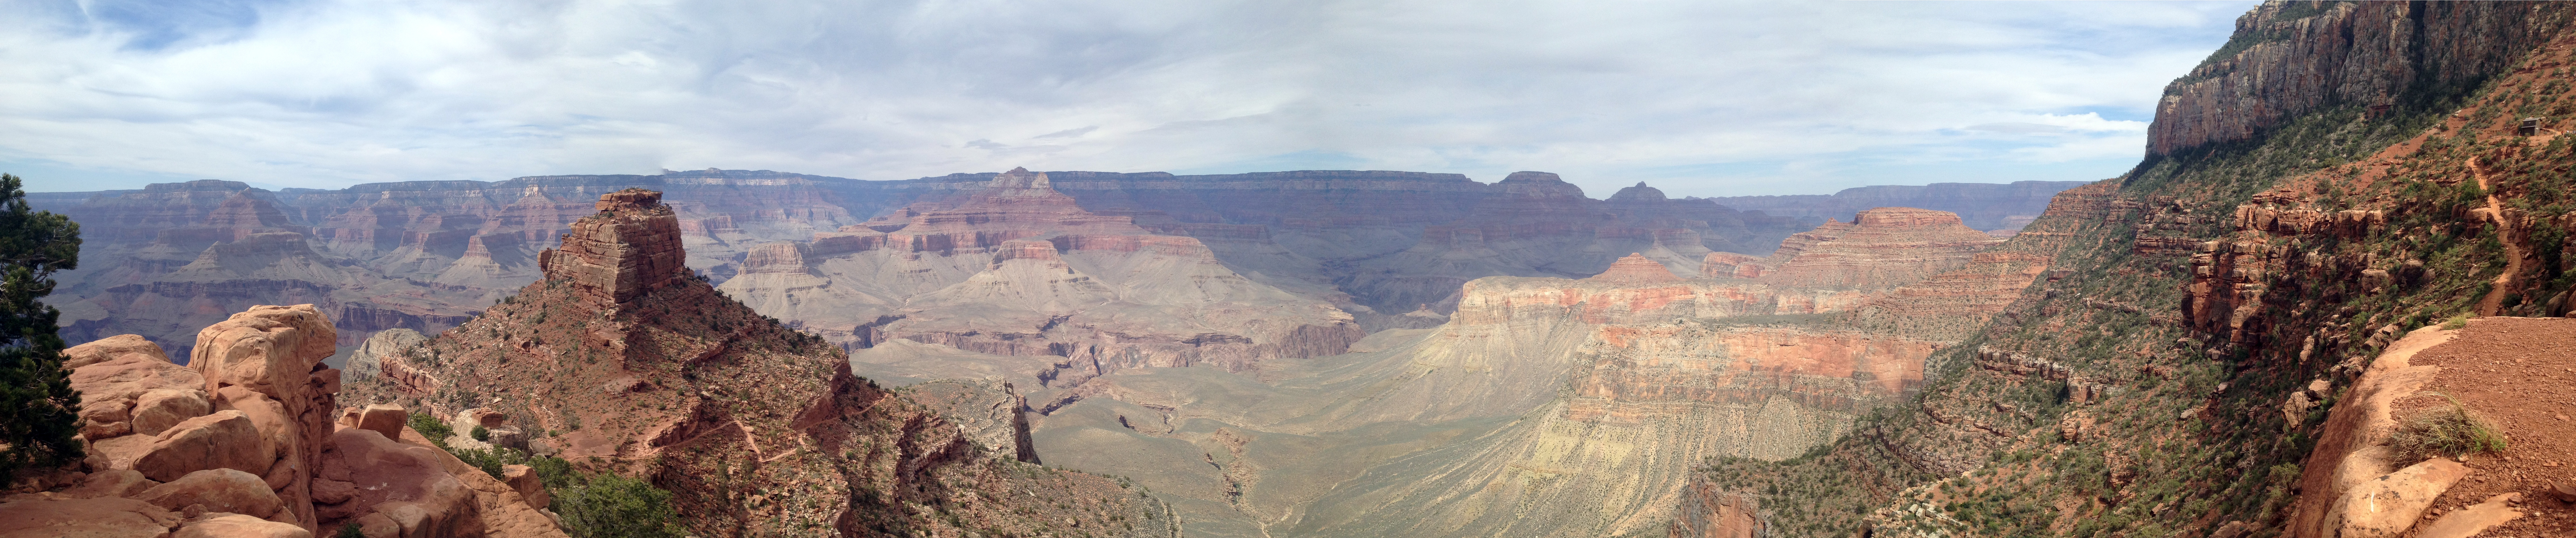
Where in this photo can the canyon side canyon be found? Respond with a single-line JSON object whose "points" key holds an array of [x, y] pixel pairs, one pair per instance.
{"points": [[2351, 216]]}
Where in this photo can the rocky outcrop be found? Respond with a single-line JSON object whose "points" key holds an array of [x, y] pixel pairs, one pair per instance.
{"points": [[989, 411], [1707, 512], [243, 442], [2287, 59], [756, 428], [364, 361], [629, 249]]}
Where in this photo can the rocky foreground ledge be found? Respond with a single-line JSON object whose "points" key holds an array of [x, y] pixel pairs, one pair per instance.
{"points": [[248, 440]]}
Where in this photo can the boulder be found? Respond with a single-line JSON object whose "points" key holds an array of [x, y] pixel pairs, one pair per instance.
{"points": [[270, 349], [239, 526], [384, 419], [111, 373], [267, 363], [104, 517], [405, 483], [378, 526], [159, 409], [532, 488], [328, 491], [2467, 522], [219, 490], [112, 348], [2387, 506], [223, 440], [110, 483]]}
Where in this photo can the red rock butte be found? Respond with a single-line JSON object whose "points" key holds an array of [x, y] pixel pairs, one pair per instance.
{"points": [[630, 248], [1636, 269]]}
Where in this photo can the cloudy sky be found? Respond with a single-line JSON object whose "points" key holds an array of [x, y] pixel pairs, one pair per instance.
{"points": [[1695, 96]]}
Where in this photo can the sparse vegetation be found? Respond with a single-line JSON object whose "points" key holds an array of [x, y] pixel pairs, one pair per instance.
{"points": [[2451, 430], [606, 505], [430, 427]]}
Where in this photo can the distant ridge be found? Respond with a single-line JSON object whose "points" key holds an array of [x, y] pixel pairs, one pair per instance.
{"points": [[1984, 206]]}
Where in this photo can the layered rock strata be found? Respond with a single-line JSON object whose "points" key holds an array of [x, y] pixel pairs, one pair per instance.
{"points": [[1017, 268], [426, 255], [2291, 58], [1437, 431], [1882, 248], [754, 427]]}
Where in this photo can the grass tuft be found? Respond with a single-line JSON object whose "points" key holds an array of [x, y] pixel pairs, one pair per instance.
{"points": [[2449, 431]]}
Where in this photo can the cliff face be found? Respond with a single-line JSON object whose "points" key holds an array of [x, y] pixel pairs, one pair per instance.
{"points": [[756, 428], [2222, 340], [2288, 59], [1882, 248], [426, 255]]}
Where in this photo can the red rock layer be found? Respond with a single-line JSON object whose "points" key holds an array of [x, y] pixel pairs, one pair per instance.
{"points": [[1707, 512], [1882, 248], [629, 249]]}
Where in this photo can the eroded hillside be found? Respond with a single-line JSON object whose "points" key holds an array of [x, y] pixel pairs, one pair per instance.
{"points": [[2213, 320], [626, 360]]}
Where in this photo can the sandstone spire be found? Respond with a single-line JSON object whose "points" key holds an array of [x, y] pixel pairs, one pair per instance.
{"points": [[630, 248]]}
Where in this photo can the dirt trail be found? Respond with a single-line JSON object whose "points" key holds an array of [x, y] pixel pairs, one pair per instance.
{"points": [[2520, 373], [2493, 303]]}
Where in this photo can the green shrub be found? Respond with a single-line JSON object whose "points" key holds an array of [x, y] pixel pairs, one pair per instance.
{"points": [[2451, 430], [2456, 322], [606, 505], [481, 434], [351, 530], [429, 426]]}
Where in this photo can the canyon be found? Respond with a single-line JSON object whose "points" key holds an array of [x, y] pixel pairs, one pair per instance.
{"points": [[1220, 343], [2340, 227]]}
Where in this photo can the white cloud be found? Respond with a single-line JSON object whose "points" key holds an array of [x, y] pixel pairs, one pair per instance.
{"points": [[1700, 97]]}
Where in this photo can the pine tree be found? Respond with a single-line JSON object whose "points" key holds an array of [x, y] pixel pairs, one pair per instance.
{"points": [[41, 411]]}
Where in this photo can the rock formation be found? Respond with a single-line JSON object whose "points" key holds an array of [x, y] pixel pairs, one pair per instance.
{"points": [[1644, 362], [242, 441], [426, 255], [1882, 248], [756, 428], [1017, 268], [2288, 59]]}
